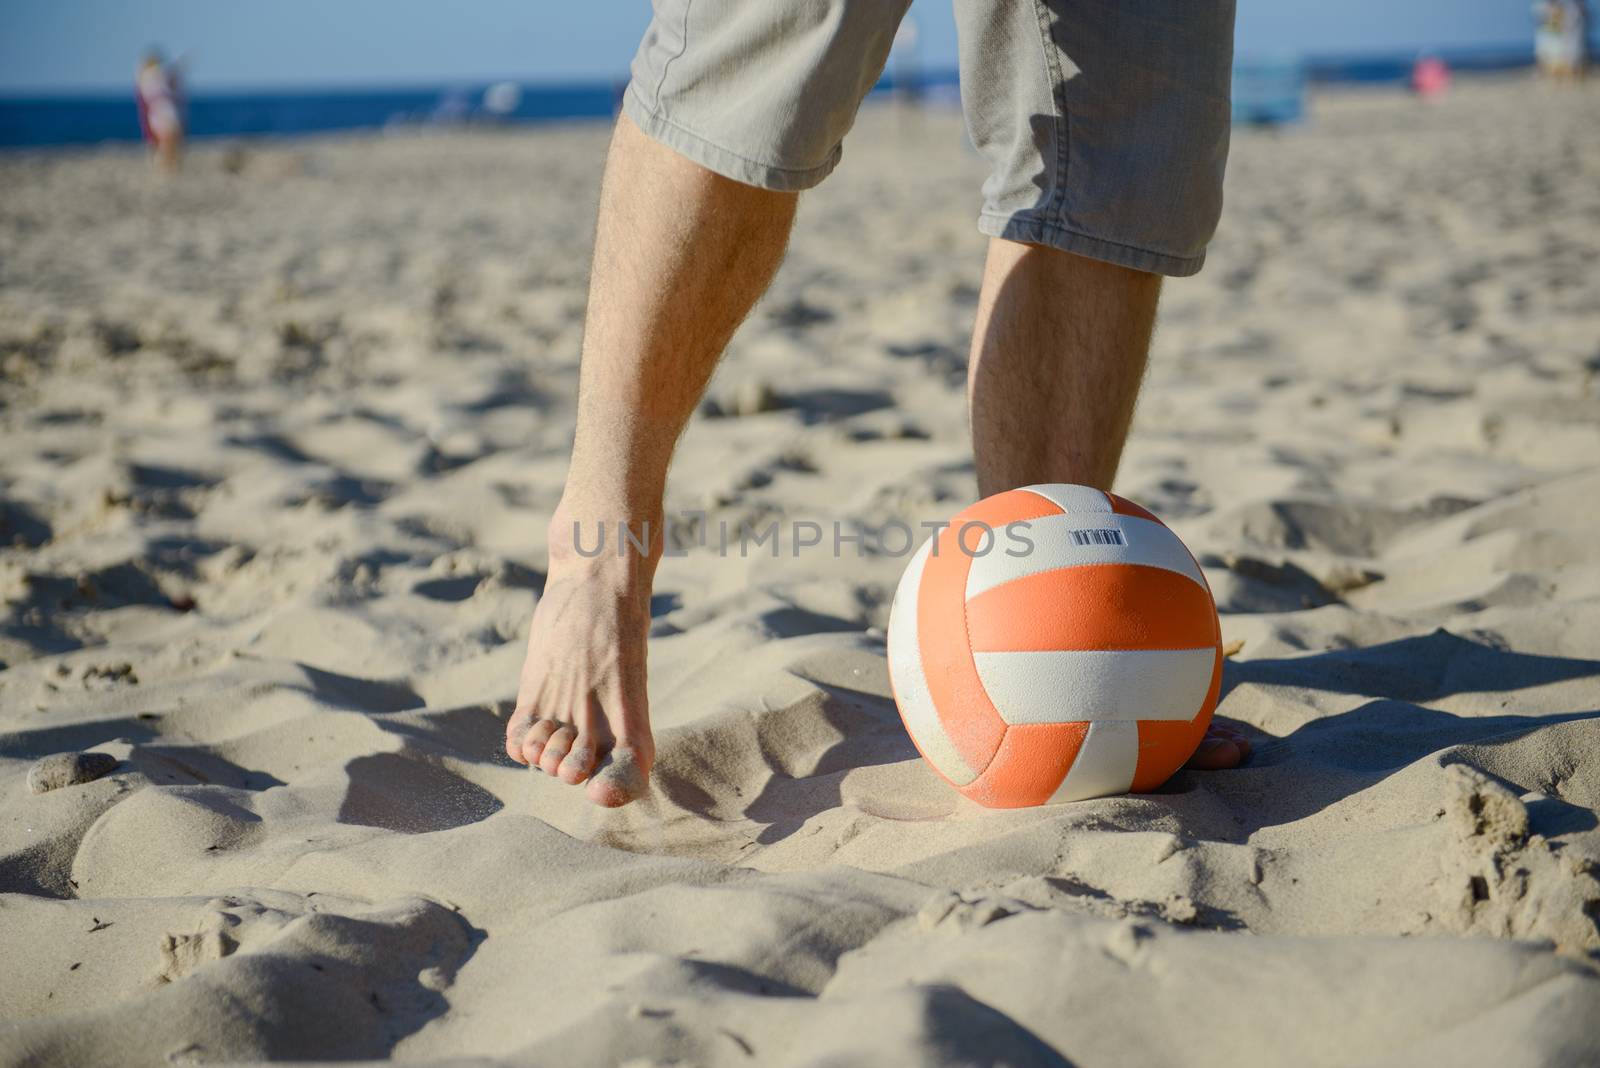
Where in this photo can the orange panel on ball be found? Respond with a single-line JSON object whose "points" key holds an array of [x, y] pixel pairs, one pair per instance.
{"points": [[968, 716], [1093, 606], [1032, 760], [1123, 506]]}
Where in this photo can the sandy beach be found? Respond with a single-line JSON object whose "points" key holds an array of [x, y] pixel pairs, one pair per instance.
{"points": [[279, 441]]}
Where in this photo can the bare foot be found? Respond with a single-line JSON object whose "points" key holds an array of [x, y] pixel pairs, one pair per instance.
{"points": [[582, 713], [1221, 748]]}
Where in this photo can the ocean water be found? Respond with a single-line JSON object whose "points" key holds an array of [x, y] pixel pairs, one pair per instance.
{"points": [[66, 120], [35, 121]]}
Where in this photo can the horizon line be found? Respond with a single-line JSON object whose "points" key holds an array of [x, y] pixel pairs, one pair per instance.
{"points": [[1310, 57]]}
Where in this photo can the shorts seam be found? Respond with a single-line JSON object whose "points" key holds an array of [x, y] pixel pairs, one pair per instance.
{"points": [[1050, 227], [804, 174], [1056, 201], [683, 46]]}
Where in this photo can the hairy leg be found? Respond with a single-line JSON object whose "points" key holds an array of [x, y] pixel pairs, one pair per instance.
{"points": [[681, 255], [1058, 355]]}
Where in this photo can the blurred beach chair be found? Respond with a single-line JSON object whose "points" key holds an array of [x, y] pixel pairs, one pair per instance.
{"points": [[1269, 90]]}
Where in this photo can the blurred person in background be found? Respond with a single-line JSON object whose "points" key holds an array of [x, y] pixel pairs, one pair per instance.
{"points": [[1560, 42], [1105, 132], [1430, 77], [159, 90]]}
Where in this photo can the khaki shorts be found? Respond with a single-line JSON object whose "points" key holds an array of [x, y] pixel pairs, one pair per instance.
{"points": [[1104, 122]]}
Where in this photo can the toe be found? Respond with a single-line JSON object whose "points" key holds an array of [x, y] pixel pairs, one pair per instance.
{"points": [[556, 749], [1209, 756], [533, 744], [1241, 745], [623, 777], [578, 763], [1217, 753], [517, 733]]}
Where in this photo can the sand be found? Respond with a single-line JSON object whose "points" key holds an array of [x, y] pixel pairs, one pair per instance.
{"points": [[278, 445]]}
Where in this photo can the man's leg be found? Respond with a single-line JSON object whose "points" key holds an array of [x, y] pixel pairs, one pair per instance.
{"points": [[1058, 355], [681, 255]]}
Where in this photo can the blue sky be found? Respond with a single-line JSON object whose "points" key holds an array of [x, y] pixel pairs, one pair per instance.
{"points": [[84, 44]]}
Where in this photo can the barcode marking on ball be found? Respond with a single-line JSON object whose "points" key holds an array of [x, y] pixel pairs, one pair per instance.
{"points": [[1097, 537]]}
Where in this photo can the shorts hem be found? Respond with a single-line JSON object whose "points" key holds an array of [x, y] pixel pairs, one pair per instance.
{"points": [[1056, 236], [714, 157]]}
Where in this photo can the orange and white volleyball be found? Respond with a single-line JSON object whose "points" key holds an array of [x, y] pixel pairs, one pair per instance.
{"points": [[1054, 643]]}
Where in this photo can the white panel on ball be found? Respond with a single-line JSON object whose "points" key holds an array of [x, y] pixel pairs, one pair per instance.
{"points": [[1070, 498], [1105, 764], [1093, 685], [911, 684], [1062, 541]]}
